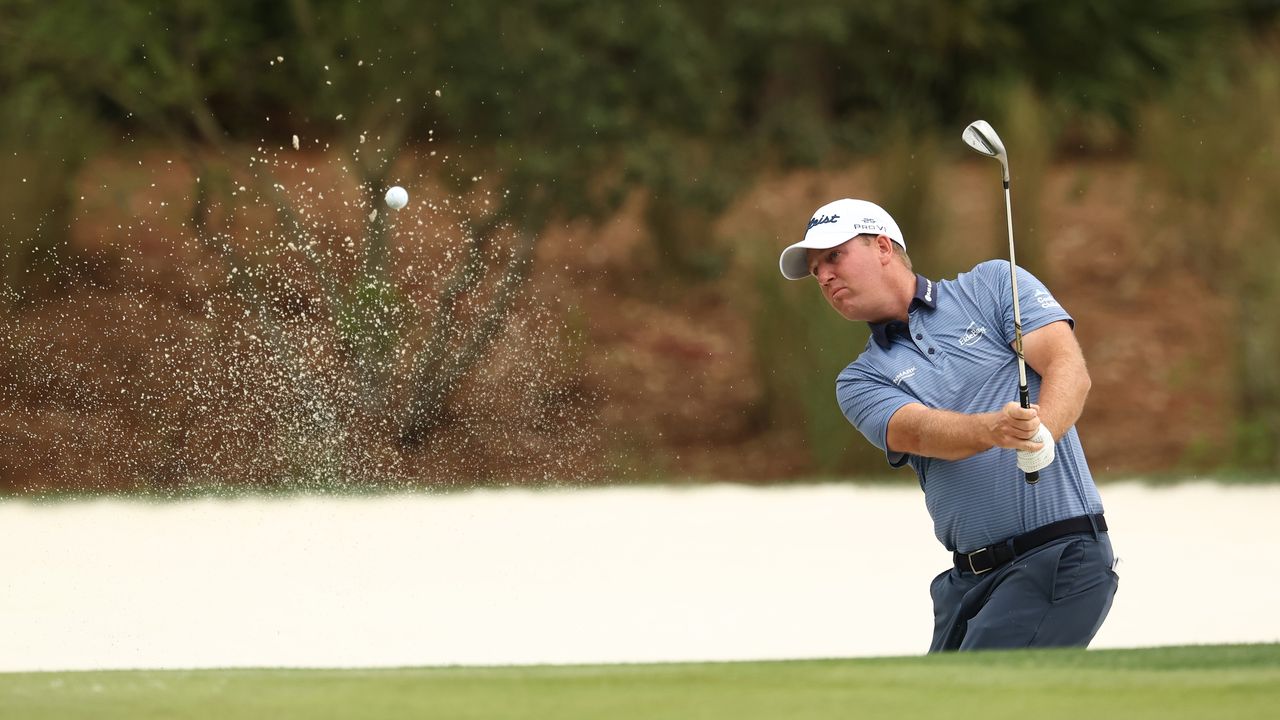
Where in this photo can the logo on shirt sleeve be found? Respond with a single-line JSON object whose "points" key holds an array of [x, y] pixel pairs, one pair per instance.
{"points": [[1045, 299]]}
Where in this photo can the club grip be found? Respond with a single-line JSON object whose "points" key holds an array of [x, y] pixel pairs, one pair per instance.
{"points": [[1024, 399]]}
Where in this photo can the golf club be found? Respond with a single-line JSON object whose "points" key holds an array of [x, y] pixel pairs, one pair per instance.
{"points": [[983, 138]]}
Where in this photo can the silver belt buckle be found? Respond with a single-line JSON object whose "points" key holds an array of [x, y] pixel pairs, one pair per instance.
{"points": [[975, 570]]}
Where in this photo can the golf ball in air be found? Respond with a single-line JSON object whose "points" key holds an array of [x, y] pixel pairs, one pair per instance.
{"points": [[397, 198]]}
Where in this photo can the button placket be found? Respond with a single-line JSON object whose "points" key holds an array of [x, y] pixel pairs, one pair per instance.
{"points": [[923, 341]]}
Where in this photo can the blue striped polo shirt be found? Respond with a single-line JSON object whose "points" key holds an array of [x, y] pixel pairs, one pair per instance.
{"points": [[955, 353]]}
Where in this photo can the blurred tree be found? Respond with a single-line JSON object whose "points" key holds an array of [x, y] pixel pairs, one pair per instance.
{"points": [[815, 76], [1213, 148]]}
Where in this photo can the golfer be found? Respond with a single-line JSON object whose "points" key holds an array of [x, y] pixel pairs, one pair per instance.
{"points": [[934, 389]]}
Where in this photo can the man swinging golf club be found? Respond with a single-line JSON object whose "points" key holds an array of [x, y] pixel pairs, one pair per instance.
{"points": [[937, 387]]}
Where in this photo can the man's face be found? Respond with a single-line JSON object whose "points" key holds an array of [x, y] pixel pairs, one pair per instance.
{"points": [[851, 276]]}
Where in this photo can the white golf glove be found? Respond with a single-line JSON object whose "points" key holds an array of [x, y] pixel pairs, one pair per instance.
{"points": [[1029, 461]]}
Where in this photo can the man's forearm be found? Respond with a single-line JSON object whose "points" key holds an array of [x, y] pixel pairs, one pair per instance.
{"points": [[1063, 388], [1052, 351], [929, 432]]}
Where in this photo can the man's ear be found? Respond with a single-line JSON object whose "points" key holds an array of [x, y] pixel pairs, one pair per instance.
{"points": [[884, 248]]}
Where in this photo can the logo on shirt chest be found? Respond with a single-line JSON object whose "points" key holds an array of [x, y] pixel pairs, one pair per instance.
{"points": [[972, 334], [897, 379]]}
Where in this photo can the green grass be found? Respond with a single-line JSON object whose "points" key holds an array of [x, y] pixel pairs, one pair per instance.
{"points": [[1184, 682]]}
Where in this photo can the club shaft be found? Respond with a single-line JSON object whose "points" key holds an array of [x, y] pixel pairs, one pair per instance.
{"points": [[1024, 394], [1017, 311]]}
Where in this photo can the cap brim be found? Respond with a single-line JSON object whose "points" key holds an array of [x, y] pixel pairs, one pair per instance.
{"points": [[794, 261]]}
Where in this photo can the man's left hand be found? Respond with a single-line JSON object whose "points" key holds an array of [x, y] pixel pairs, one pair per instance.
{"points": [[1036, 460]]}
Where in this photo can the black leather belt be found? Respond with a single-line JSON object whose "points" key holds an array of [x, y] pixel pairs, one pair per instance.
{"points": [[991, 557]]}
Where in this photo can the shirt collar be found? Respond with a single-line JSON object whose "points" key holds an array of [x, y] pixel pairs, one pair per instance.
{"points": [[926, 295]]}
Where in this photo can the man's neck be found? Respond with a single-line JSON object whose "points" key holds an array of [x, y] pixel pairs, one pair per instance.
{"points": [[923, 293], [904, 293]]}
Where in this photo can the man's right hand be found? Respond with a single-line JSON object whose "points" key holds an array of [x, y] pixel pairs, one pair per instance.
{"points": [[1014, 426]]}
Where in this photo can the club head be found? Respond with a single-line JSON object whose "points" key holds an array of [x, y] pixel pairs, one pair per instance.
{"points": [[983, 139]]}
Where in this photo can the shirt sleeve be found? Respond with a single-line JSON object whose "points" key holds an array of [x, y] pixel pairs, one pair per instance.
{"points": [[1036, 304], [869, 401]]}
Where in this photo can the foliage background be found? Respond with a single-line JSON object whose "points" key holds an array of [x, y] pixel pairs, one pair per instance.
{"points": [[604, 303]]}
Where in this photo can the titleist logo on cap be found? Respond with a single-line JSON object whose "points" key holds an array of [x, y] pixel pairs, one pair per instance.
{"points": [[822, 220]]}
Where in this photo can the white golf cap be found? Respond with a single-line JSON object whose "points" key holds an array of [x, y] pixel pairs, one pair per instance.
{"points": [[833, 224]]}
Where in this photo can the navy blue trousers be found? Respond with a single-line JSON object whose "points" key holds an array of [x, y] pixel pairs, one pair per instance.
{"points": [[1057, 595]]}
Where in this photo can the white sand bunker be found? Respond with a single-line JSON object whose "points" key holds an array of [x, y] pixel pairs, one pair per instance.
{"points": [[585, 576]]}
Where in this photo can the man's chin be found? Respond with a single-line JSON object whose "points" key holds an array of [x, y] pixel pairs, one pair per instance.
{"points": [[846, 313], [837, 303]]}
